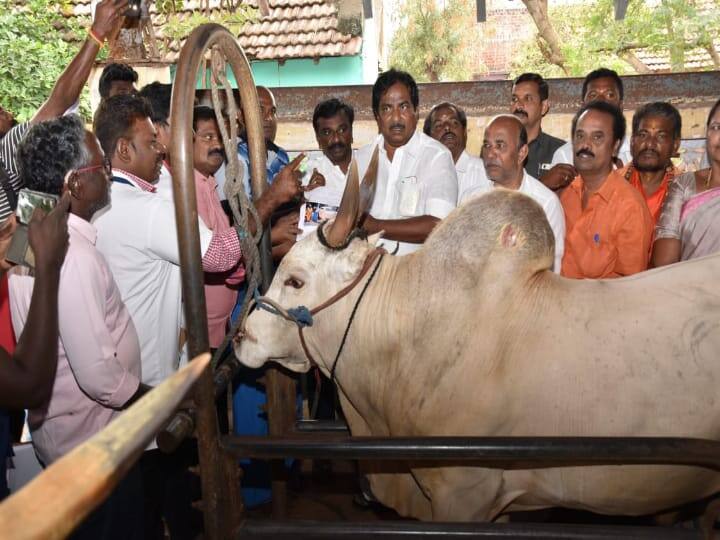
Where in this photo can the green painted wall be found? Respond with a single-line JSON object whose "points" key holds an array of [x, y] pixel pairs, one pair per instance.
{"points": [[337, 70]]}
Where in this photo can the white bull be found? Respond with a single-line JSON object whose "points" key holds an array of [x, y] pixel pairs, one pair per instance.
{"points": [[473, 335]]}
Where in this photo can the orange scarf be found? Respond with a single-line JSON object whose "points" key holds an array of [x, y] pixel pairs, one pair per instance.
{"points": [[654, 201]]}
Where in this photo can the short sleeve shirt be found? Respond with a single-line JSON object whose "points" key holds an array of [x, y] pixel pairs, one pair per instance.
{"points": [[610, 237]]}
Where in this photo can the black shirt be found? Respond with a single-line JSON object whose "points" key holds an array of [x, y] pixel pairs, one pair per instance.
{"points": [[540, 154]]}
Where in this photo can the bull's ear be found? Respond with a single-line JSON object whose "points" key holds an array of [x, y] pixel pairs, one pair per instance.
{"points": [[509, 236], [373, 239]]}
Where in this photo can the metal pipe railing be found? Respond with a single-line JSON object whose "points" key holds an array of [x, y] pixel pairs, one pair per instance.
{"points": [[499, 452], [394, 530], [221, 502]]}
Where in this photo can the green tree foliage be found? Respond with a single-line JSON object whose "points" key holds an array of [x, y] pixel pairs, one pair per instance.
{"points": [[34, 39], [433, 43], [591, 37], [177, 27]]}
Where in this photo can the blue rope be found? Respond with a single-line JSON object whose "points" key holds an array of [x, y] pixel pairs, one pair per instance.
{"points": [[300, 315]]}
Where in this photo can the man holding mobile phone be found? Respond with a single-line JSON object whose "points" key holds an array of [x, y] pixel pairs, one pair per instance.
{"points": [[27, 373], [98, 365]]}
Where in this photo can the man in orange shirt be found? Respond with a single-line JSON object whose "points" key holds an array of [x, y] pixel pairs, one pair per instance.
{"points": [[655, 139], [608, 226]]}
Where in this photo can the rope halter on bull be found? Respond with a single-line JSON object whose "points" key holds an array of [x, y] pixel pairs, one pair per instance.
{"points": [[356, 201]]}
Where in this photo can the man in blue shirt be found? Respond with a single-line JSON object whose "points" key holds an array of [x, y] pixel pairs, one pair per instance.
{"points": [[284, 191]]}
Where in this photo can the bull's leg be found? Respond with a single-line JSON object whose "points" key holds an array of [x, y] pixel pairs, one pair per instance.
{"points": [[392, 484], [708, 519], [400, 491], [463, 493]]}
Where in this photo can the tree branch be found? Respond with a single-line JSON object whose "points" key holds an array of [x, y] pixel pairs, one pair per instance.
{"points": [[539, 14], [634, 61], [712, 51]]}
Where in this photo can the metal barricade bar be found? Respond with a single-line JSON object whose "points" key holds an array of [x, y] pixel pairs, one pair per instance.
{"points": [[497, 452], [320, 530]]}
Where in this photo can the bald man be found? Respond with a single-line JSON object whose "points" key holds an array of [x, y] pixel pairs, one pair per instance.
{"points": [[504, 149]]}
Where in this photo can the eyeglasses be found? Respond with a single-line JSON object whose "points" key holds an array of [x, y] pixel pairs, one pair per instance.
{"points": [[105, 165]]}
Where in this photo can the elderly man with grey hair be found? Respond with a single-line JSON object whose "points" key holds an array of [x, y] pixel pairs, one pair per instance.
{"points": [[98, 367]]}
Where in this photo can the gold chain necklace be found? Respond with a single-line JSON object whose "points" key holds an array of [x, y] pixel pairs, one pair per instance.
{"points": [[709, 178]]}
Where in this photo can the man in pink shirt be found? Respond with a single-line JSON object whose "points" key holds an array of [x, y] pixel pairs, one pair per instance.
{"points": [[98, 371], [208, 157]]}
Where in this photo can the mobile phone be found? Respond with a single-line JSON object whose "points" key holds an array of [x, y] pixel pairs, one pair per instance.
{"points": [[19, 251], [29, 200], [133, 9]]}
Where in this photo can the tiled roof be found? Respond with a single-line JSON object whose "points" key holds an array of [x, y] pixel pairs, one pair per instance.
{"points": [[293, 29], [695, 59]]}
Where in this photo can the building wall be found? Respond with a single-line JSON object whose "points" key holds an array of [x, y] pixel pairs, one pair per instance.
{"points": [[301, 72]]}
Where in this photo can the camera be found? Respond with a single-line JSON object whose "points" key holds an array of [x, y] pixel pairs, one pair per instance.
{"points": [[133, 9]]}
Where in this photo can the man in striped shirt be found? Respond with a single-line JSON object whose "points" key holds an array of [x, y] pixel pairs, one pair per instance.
{"points": [[65, 93]]}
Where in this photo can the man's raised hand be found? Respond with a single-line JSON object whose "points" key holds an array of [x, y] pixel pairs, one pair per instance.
{"points": [[287, 184], [559, 176], [109, 15]]}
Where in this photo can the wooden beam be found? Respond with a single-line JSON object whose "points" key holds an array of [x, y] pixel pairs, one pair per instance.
{"points": [[57, 501]]}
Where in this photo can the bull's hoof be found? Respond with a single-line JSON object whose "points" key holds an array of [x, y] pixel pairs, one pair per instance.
{"points": [[365, 499]]}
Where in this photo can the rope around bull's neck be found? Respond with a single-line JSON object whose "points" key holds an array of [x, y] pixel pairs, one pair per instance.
{"points": [[352, 317]]}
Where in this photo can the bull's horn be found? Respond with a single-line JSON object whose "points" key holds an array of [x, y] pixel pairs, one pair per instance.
{"points": [[367, 189], [344, 223]]}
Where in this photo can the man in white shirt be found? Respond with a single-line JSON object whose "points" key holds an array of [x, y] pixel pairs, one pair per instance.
{"points": [[600, 85], [416, 181], [447, 124], [332, 122], [505, 147], [138, 237]]}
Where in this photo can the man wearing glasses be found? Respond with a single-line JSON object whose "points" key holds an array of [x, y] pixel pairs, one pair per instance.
{"points": [[98, 363]]}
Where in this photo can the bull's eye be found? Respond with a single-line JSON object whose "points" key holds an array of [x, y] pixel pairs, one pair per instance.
{"points": [[294, 282]]}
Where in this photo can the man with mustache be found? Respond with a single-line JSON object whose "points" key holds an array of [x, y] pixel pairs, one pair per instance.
{"points": [[656, 129], [447, 124], [504, 150], [416, 181], [600, 85], [137, 235], [208, 157], [529, 102], [332, 122], [608, 223]]}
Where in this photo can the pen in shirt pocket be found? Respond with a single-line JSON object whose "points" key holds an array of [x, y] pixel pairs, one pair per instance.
{"points": [[596, 238]]}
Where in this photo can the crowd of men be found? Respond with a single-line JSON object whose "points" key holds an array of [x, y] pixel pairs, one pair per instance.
{"points": [[97, 321]]}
